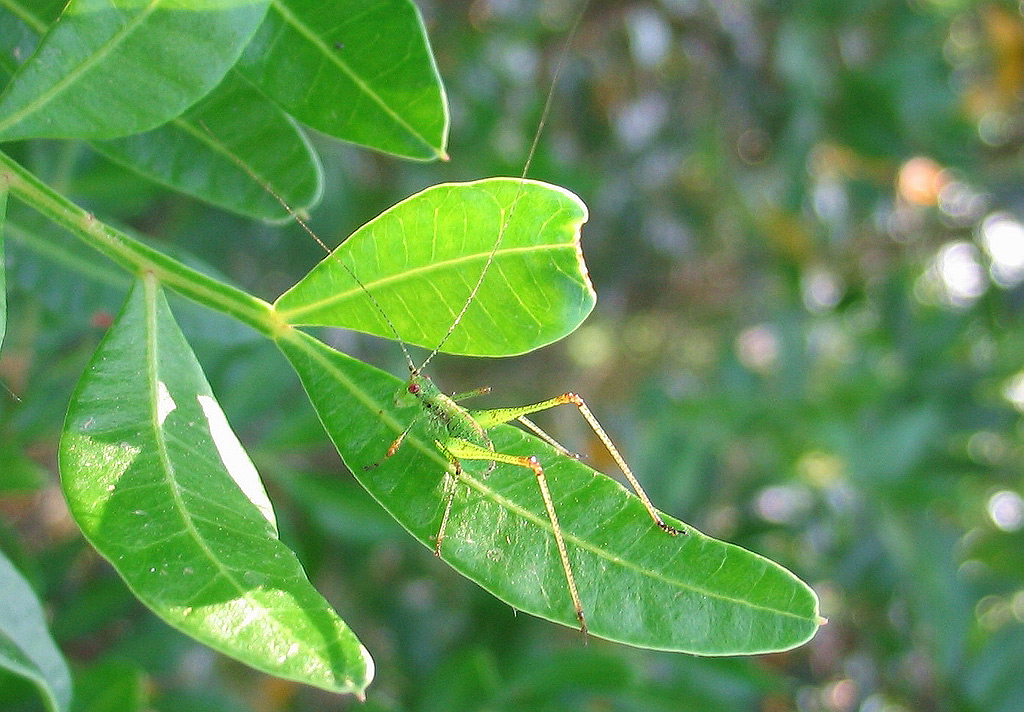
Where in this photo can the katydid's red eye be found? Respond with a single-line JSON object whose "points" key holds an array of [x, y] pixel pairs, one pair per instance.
{"points": [[414, 388]]}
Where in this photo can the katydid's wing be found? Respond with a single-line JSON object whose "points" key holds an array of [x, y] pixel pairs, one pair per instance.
{"points": [[638, 585], [421, 259]]}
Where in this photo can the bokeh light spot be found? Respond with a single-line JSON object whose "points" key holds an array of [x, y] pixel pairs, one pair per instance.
{"points": [[1003, 239], [1006, 510]]}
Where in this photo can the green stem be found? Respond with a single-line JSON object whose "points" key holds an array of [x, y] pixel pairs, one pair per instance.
{"points": [[133, 255]]}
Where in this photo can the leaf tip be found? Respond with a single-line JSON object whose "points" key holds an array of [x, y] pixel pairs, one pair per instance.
{"points": [[370, 671]]}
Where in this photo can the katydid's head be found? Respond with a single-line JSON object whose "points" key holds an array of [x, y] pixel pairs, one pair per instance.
{"points": [[418, 387]]}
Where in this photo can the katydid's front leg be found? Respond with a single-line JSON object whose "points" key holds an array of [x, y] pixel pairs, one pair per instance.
{"points": [[393, 447], [458, 448], [490, 418]]}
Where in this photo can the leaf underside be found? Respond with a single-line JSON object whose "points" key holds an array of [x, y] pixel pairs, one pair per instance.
{"points": [[638, 585], [199, 153], [162, 489], [421, 258]]}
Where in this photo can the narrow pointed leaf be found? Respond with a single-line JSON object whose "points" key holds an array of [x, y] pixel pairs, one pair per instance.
{"points": [[161, 487], [86, 77], [358, 70], [26, 647], [421, 259], [638, 585], [194, 154]]}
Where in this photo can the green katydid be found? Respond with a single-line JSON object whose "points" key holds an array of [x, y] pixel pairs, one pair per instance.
{"points": [[461, 434]]}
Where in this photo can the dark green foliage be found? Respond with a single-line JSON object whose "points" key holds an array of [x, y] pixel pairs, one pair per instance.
{"points": [[807, 342]]}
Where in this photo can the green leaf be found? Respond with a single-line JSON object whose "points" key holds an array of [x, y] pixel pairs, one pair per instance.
{"points": [[358, 70], [161, 487], [26, 647], [638, 585], [70, 281], [199, 154], [110, 68], [421, 259], [21, 24], [3, 265]]}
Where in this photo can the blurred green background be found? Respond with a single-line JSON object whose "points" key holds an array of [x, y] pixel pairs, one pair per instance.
{"points": [[807, 239]]}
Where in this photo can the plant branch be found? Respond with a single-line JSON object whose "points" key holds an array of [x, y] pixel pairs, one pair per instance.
{"points": [[135, 256]]}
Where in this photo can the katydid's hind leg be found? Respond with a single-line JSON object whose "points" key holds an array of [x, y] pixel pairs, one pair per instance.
{"points": [[450, 483], [547, 438], [449, 496], [542, 483], [470, 451], [588, 416], [488, 418]]}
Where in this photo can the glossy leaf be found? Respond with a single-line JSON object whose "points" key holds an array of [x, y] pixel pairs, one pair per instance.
{"points": [[199, 152], [421, 259], [87, 75], [161, 487], [637, 584], [26, 647], [358, 70]]}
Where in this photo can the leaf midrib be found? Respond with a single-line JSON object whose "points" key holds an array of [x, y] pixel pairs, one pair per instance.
{"points": [[376, 98], [26, 15], [152, 370], [295, 314]]}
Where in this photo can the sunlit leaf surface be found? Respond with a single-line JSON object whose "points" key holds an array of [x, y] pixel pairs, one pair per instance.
{"points": [[161, 487], [420, 260]]}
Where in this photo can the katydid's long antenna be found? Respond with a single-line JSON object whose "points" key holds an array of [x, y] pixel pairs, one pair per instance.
{"points": [[302, 223], [563, 55]]}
